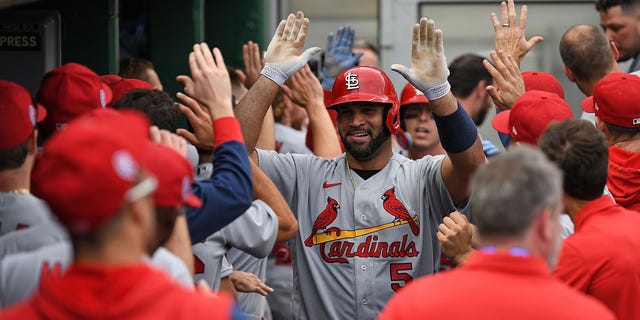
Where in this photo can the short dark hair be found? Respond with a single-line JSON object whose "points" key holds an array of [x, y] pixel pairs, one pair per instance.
{"points": [[161, 110], [365, 44], [618, 132], [466, 71], [580, 150], [135, 68], [586, 52], [625, 5], [15, 156]]}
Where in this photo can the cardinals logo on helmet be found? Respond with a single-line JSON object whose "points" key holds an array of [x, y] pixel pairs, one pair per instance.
{"points": [[351, 80], [324, 219], [395, 208]]}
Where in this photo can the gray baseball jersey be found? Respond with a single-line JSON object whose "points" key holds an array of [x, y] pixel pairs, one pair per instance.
{"points": [[21, 211], [253, 304], [254, 232], [358, 241], [290, 140], [40, 235], [20, 273], [280, 278]]}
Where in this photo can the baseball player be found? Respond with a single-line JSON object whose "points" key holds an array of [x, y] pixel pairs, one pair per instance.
{"points": [[366, 218], [18, 137], [255, 232], [21, 273]]}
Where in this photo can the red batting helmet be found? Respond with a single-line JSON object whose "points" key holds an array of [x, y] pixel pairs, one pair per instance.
{"points": [[367, 84], [411, 95]]}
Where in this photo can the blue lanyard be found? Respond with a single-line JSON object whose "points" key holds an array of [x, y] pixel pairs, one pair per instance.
{"points": [[515, 251]]}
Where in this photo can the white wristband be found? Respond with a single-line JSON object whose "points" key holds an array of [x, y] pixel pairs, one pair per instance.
{"points": [[274, 73], [438, 91]]}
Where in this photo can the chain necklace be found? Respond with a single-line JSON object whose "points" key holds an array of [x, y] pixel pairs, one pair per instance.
{"points": [[353, 182], [19, 191]]}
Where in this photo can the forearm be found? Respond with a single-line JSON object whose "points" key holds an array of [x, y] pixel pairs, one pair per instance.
{"points": [[251, 110], [325, 139], [267, 139]]}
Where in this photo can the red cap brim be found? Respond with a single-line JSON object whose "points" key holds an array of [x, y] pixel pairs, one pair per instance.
{"points": [[193, 201], [42, 112], [501, 122], [587, 105]]}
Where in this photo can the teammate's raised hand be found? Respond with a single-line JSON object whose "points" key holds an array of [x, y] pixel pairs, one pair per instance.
{"points": [[200, 120], [284, 54], [509, 35], [253, 63], [339, 55], [508, 84], [428, 71], [304, 88], [209, 83]]}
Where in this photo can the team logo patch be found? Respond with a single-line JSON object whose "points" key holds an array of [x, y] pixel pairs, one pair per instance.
{"points": [[351, 80], [394, 207], [32, 115], [324, 219], [124, 165]]}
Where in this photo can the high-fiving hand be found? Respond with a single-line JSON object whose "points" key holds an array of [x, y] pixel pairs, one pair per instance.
{"points": [[284, 54], [339, 55], [428, 72]]}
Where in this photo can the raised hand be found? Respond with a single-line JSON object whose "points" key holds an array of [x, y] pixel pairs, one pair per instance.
{"points": [[304, 88], [508, 84], [510, 36], [253, 63], [200, 120], [455, 234], [284, 54], [428, 71], [209, 83], [168, 139], [339, 55]]}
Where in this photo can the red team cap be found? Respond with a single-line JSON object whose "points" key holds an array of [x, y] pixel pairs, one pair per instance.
{"points": [[120, 86], [70, 91], [367, 84], [174, 174], [616, 100], [531, 115], [542, 81], [19, 114], [412, 95], [87, 171]]}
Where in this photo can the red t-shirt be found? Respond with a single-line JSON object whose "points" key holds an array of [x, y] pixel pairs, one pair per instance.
{"points": [[602, 257], [124, 292], [493, 286]]}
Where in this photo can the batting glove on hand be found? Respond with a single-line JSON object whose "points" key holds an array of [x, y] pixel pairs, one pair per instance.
{"points": [[339, 55], [428, 72], [284, 55]]}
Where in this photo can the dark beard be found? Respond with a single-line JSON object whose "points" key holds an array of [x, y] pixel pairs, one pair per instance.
{"points": [[368, 151]]}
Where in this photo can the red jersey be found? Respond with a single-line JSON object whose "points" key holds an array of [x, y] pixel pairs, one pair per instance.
{"points": [[623, 180], [602, 257], [493, 286], [123, 292]]}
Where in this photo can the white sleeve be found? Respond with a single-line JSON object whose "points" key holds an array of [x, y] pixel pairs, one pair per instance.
{"points": [[173, 266], [255, 231]]}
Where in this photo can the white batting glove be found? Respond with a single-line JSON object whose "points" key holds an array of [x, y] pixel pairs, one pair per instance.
{"points": [[284, 55], [428, 72]]}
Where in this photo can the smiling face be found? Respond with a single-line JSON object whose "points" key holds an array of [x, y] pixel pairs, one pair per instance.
{"points": [[623, 28], [418, 122], [362, 129]]}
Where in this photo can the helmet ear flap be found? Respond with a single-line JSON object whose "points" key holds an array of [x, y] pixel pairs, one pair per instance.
{"points": [[393, 119]]}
